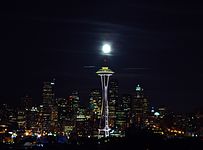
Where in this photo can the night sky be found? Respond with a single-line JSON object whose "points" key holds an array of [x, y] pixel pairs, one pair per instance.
{"points": [[156, 45]]}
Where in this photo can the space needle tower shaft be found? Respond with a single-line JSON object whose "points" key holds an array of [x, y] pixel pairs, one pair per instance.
{"points": [[105, 74]]}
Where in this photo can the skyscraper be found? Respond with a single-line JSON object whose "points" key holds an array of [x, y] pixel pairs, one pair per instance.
{"points": [[123, 115], [95, 110], [82, 123], [48, 104], [33, 119], [73, 106], [62, 104], [95, 102], [21, 120], [26, 105], [113, 99], [126, 102], [75, 101], [140, 107], [48, 93]]}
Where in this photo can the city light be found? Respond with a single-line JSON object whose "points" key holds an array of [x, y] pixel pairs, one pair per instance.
{"points": [[96, 122], [156, 113]]}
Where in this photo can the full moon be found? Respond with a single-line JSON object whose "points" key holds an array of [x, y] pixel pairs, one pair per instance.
{"points": [[106, 48]]}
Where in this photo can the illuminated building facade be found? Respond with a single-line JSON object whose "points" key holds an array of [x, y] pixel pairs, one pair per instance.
{"points": [[63, 120], [82, 128], [95, 102], [26, 105], [75, 101], [186, 122], [21, 120], [48, 96], [120, 122], [73, 105], [123, 112], [95, 110], [33, 119], [54, 118], [140, 107], [48, 93], [126, 100], [113, 98]]}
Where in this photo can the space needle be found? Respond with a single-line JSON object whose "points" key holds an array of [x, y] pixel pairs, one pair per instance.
{"points": [[105, 74]]}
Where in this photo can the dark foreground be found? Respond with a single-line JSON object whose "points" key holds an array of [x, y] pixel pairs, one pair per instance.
{"points": [[141, 143], [136, 139]]}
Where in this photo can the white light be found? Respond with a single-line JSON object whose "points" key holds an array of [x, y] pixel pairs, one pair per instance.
{"points": [[10, 132], [106, 48], [112, 131], [39, 135], [49, 133], [156, 113]]}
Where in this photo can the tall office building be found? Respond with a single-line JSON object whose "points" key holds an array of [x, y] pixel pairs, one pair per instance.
{"points": [[140, 107], [74, 102], [63, 115], [48, 93], [48, 96], [26, 105], [120, 122], [113, 99], [40, 119], [123, 115], [82, 127], [95, 104], [73, 105], [33, 119], [126, 105], [21, 120], [54, 118]]}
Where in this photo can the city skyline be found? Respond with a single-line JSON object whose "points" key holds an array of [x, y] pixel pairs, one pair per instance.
{"points": [[155, 45], [60, 120], [85, 99]]}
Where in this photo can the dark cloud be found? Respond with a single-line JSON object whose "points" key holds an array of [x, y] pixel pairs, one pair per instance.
{"points": [[156, 45]]}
